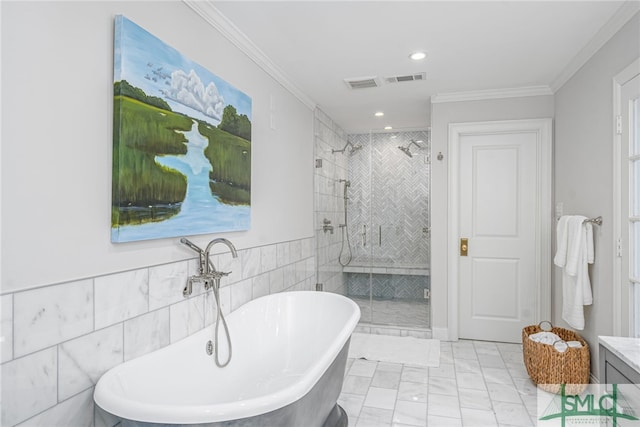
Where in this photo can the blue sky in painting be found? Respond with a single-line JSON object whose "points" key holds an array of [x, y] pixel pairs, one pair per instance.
{"points": [[159, 70]]}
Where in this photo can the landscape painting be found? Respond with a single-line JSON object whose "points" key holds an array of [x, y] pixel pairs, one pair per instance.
{"points": [[181, 144]]}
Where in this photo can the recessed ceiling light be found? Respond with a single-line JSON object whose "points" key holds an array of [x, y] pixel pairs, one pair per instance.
{"points": [[388, 128], [379, 114], [417, 56]]}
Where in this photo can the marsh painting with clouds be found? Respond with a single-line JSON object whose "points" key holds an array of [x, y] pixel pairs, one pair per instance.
{"points": [[181, 144]]}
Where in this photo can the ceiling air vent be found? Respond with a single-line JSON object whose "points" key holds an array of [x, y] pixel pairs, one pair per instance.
{"points": [[406, 78], [362, 82]]}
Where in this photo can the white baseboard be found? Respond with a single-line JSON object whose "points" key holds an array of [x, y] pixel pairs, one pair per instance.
{"points": [[440, 334]]}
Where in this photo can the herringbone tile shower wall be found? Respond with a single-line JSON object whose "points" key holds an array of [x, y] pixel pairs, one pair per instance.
{"points": [[388, 206]]}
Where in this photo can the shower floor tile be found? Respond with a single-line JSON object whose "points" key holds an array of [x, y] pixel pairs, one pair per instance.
{"points": [[412, 313]]}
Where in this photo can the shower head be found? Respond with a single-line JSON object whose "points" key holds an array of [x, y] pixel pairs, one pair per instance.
{"points": [[405, 150], [355, 148], [347, 183]]}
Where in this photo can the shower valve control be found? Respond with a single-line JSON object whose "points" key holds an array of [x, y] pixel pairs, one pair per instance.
{"points": [[327, 226]]}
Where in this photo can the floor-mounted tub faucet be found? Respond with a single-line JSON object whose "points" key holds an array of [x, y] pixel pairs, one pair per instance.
{"points": [[210, 278]]}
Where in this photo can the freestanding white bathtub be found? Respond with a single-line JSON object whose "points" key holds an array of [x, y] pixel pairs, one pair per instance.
{"points": [[289, 357]]}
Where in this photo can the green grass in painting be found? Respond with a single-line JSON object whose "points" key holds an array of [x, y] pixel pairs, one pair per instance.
{"points": [[144, 191], [141, 132], [230, 158]]}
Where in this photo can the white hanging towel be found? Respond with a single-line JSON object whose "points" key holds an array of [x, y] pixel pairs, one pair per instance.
{"points": [[574, 252]]}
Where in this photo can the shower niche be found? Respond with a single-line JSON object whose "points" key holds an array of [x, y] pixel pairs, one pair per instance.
{"points": [[386, 240]]}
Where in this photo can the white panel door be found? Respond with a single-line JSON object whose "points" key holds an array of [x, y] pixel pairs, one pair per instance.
{"points": [[497, 280]]}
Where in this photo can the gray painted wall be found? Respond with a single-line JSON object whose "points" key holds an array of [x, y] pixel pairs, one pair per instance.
{"points": [[584, 169]]}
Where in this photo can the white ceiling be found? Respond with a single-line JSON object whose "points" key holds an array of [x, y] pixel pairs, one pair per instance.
{"points": [[471, 46]]}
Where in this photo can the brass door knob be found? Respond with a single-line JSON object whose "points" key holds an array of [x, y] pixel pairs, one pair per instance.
{"points": [[464, 246]]}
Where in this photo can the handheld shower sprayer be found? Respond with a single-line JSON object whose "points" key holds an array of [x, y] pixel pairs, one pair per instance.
{"points": [[188, 242]]}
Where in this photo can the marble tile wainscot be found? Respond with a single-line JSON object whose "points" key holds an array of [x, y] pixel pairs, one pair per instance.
{"points": [[58, 340]]}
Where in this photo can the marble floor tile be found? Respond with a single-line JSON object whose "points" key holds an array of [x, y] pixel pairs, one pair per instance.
{"points": [[444, 406], [386, 379], [440, 385], [503, 393], [412, 392], [351, 403], [434, 420], [497, 375], [389, 367], [465, 353], [363, 368], [382, 398], [478, 418], [491, 361], [374, 417], [512, 414], [354, 384], [415, 374], [471, 380], [446, 370], [410, 413], [466, 365], [477, 384], [474, 399]]}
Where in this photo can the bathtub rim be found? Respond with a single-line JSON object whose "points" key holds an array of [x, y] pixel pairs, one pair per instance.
{"points": [[106, 398]]}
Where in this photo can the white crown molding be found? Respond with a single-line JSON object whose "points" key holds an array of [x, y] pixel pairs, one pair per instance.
{"points": [[623, 15], [229, 30], [479, 95]]}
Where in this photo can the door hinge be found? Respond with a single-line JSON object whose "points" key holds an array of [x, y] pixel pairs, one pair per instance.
{"points": [[618, 125], [619, 247]]}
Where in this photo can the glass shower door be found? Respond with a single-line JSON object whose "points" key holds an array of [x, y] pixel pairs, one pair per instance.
{"points": [[399, 250]]}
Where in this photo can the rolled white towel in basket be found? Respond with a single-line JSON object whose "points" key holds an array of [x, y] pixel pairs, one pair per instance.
{"points": [[558, 343], [545, 337]]}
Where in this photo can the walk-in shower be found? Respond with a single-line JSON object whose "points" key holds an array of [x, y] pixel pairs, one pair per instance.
{"points": [[376, 187]]}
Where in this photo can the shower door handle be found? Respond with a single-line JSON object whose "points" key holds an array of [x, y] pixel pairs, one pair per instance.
{"points": [[379, 235], [364, 235]]}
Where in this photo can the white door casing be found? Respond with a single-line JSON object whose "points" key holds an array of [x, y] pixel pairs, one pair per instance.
{"points": [[500, 199], [624, 89]]}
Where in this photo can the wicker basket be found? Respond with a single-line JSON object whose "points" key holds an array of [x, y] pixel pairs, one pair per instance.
{"points": [[549, 368]]}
